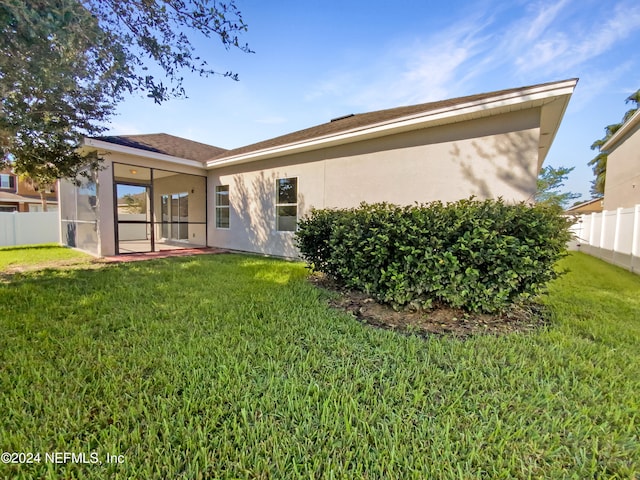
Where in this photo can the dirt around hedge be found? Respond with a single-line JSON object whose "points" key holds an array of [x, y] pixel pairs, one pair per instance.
{"points": [[440, 320]]}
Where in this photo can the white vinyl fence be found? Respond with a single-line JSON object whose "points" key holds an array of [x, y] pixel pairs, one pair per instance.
{"points": [[612, 235], [29, 228], [132, 231]]}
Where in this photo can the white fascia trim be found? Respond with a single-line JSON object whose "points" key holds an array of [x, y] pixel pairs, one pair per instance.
{"points": [[92, 142], [421, 120], [620, 134]]}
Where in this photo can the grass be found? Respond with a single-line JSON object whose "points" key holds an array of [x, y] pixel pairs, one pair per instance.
{"points": [[47, 254], [232, 366]]}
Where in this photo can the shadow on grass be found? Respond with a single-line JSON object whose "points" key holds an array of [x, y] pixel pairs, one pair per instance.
{"points": [[91, 290], [43, 246]]}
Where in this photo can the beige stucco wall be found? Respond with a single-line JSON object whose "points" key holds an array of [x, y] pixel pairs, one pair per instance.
{"points": [[105, 193], [622, 187], [492, 157]]}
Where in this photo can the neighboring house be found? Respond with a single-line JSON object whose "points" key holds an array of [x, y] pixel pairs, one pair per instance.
{"points": [[185, 193], [614, 234], [622, 186], [18, 195], [591, 206]]}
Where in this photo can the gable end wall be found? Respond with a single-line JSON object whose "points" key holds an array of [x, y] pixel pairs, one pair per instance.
{"points": [[622, 187]]}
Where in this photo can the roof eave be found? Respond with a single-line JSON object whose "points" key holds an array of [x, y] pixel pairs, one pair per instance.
{"points": [[551, 117], [535, 96], [585, 204], [621, 134], [15, 197], [114, 147]]}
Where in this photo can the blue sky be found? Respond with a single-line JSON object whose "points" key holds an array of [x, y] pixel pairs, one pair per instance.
{"points": [[316, 60]]}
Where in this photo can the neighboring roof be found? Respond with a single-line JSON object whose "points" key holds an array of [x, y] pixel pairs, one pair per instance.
{"points": [[621, 135], [384, 122], [12, 197], [593, 205], [166, 144]]}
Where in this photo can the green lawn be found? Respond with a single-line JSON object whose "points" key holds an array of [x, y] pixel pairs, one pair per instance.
{"points": [[231, 366], [49, 254]]}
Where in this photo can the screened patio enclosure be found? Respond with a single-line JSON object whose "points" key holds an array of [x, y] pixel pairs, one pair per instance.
{"points": [[79, 213], [157, 209]]}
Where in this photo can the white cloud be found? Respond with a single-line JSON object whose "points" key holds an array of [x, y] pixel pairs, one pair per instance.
{"points": [[531, 42], [119, 128], [543, 19], [595, 84], [556, 45], [271, 120], [333, 85], [431, 73], [520, 44], [624, 22], [430, 69]]}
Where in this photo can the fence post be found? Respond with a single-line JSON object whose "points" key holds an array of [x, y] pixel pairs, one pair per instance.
{"points": [[580, 233], [616, 234], [603, 229], [591, 235], [586, 235], [15, 228]]}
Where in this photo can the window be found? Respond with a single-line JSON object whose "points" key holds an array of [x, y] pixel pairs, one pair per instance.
{"points": [[164, 215], [179, 207], [286, 204], [222, 206], [174, 216], [7, 181]]}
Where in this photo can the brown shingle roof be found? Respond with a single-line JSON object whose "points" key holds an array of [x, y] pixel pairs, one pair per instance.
{"points": [[166, 144], [13, 197], [364, 120]]}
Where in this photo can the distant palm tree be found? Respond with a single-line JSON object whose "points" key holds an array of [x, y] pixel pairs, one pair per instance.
{"points": [[633, 98], [599, 162]]}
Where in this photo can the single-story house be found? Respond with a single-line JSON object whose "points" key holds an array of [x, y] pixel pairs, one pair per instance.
{"points": [[590, 206], [158, 191], [622, 185]]}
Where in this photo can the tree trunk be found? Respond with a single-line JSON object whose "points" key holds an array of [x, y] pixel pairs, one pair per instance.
{"points": [[43, 199]]}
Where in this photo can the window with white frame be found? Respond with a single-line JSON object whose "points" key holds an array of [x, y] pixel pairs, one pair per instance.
{"points": [[286, 204], [7, 181], [222, 206]]}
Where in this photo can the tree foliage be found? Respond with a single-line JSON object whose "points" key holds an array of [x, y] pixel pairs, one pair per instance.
{"points": [[550, 181], [599, 162], [65, 64], [156, 30], [52, 92]]}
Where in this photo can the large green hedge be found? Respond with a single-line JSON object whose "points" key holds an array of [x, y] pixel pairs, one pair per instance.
{"points": [[477, 255]]}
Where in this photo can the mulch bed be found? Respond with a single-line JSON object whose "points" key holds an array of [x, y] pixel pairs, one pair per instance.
{"points": [[439, 320]]}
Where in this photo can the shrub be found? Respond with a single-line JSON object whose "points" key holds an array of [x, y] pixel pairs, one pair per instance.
{"points": [[477, 255], [313, 236]]}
